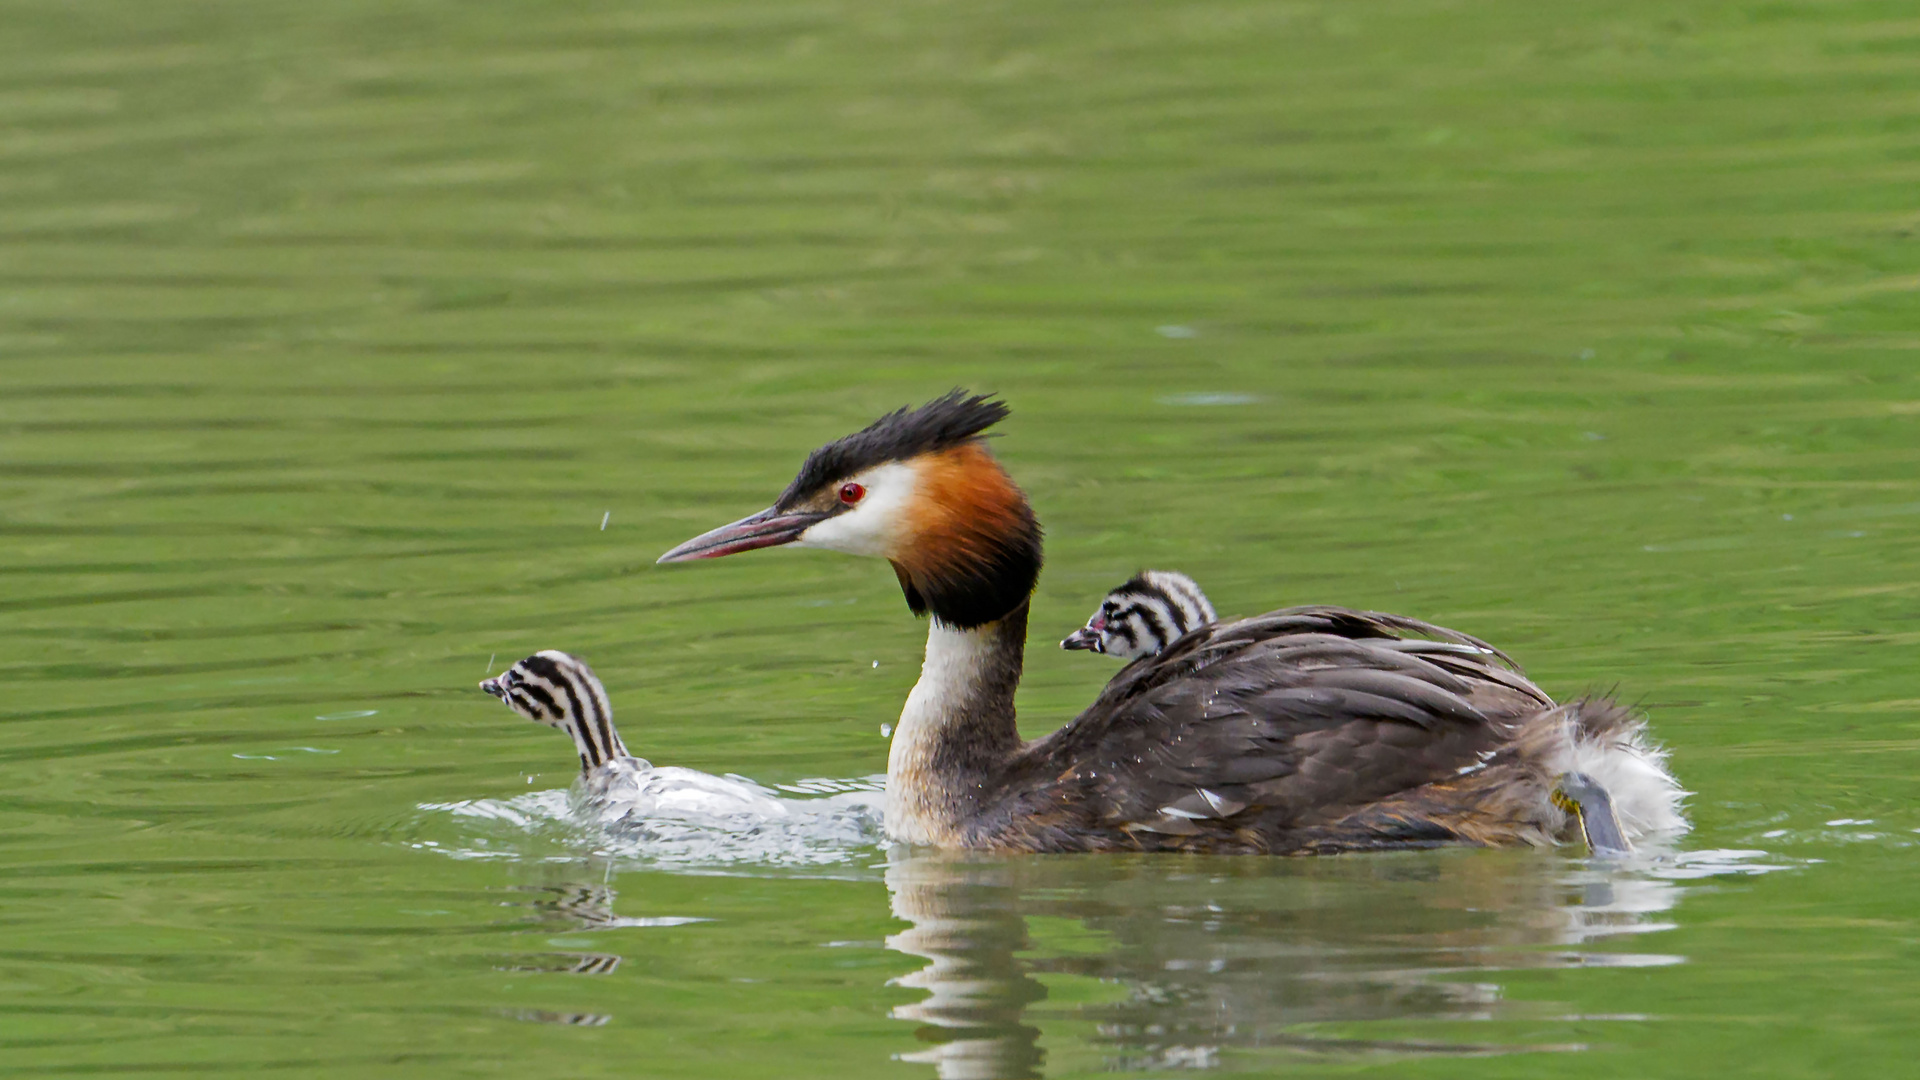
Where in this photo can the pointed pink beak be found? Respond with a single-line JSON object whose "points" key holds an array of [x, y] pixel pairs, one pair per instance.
{"points": [[768, 528], [1084, 638]]}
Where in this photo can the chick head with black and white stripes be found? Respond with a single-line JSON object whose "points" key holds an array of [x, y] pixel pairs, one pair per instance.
{"points": [[560, 691], [1144, 616]]}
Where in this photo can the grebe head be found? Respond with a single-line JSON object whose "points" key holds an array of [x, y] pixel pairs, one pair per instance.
{"points": [[918, 488], [561, 691], [1145, 615]]}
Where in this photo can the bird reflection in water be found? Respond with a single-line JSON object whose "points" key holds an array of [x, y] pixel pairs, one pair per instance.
{"points": [[1218, 961], [968, 926], [573, 905]]}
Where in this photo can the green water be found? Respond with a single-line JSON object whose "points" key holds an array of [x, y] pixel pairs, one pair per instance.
{"points": [[331, 334]]}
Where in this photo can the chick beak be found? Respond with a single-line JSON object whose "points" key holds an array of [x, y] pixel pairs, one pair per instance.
{"points": [[492, 686], [768, 528], [1084, 638]]}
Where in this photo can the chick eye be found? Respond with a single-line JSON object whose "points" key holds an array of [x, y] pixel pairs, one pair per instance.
{"points": [[852, 493]]}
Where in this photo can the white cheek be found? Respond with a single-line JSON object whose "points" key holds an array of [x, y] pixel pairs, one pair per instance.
{"points": [[877, 525]]}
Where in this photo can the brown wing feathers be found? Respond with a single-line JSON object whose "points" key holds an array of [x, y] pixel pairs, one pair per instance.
{"points": [[1276, 733]]}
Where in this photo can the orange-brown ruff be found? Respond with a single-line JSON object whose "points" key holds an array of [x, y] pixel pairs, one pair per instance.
{"points": [[964, 508], [1312, 729]]}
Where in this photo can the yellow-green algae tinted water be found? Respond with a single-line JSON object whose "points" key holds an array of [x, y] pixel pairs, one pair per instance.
{"points": [[330, 334]]}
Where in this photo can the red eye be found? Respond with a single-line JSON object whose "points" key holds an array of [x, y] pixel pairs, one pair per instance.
{"points": [[852, 493]]}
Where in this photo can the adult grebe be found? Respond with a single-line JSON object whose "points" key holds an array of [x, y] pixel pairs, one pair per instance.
{"points": [[1306, 730], [1148, 612]]}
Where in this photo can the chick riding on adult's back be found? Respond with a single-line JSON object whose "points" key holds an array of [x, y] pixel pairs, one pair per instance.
{"points": [[1148, 612], [1153, 609]]}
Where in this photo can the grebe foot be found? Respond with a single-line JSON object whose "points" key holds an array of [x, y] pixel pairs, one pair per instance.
{"points": [[1590, 804]]}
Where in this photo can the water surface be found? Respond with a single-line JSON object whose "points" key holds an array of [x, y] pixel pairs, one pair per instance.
{"points": [[350, 351]]}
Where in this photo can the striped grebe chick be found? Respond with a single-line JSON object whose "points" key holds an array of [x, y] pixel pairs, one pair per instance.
{"points": [[561, 691], [1152, 610], [1305, 730]]}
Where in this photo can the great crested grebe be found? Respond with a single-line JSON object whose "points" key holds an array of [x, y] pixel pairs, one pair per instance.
{"points": [[1147, 613], [1308, 730], [561, 691]]}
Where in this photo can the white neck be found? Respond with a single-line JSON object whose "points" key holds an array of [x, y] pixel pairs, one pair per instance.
{"points": [[957, 726], [595, 739]]}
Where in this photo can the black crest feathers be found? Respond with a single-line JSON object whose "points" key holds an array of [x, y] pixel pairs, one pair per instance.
{"points": [[946, 421]]}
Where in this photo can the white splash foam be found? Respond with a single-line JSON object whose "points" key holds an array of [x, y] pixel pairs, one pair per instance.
{"points": [[673, 816]]}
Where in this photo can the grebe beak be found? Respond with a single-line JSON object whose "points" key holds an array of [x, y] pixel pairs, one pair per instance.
{"points": [[492, 686], [768, 528], [1083, 638]]}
